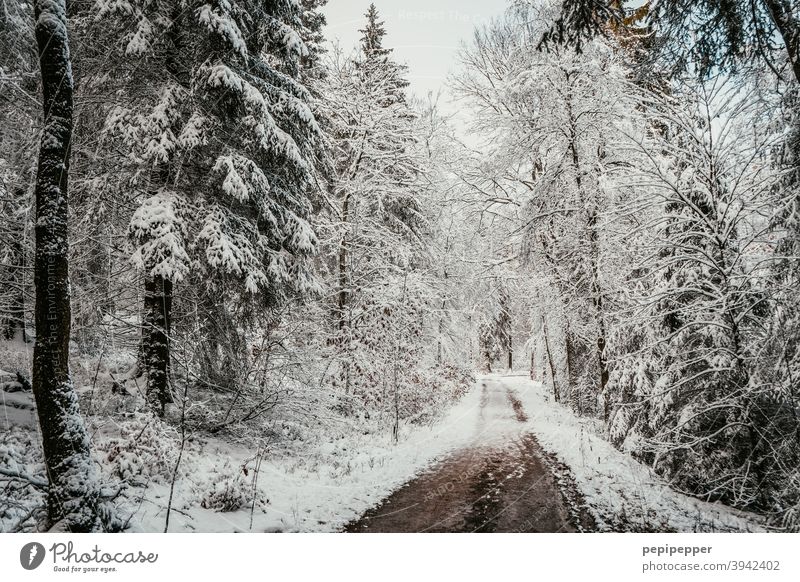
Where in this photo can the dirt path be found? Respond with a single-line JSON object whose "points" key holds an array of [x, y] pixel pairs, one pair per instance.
{"points": [[488, 487]]}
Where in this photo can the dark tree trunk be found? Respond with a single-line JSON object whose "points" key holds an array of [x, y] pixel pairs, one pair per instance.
{"points": [[157, 314], [572, 381], [597, 301], [154, 350], [441, 326], [788, 26], [594, 245], [341, 298], [73, 493], [533, 365], [556, 392]]}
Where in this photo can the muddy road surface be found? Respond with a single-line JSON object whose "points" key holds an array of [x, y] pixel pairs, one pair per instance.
{"points": [[502, 482]]}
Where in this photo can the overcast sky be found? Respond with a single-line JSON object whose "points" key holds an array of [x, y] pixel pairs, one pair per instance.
{"points": [[425, 34]]}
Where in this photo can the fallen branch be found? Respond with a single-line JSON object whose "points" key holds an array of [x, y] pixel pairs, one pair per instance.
{"points": [[26, 478]]}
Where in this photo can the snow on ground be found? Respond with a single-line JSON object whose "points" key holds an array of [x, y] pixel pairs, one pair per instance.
{"points": [[317, 493], [321, 491], [620, 492], [344, 473], [317, 484]]}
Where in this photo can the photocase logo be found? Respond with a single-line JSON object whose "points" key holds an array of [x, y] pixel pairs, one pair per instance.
{"points": [[31, 555]]}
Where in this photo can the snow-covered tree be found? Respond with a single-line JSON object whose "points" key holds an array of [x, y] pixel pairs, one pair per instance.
{"points": [[702, 35], [779, 360], [19, 85], [551, 118], [74, 492], [220, 141], [380, 221], [689, 398]]}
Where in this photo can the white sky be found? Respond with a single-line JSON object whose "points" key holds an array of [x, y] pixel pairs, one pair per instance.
{"points": [[425, 34]]}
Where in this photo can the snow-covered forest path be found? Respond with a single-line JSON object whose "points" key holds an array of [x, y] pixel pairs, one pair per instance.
{"points": [[501, 482]]}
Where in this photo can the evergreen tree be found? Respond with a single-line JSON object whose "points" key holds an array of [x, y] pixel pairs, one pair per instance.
{"points": [[376, 64], [219, 105], [380, 221], [19, 85], [372, 36], [689, 392], [699, 35]]}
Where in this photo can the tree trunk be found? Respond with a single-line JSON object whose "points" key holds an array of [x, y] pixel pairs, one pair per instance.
{"points": [[571, 380], [441, 327], [556, 392], [597, 301], [341, 299], [158, 309], [439, 338], [597, 297], [788, 26], [73, 493], [154, 350]]}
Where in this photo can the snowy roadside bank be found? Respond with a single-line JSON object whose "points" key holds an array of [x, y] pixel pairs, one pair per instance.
{"points": [[622, 494], [319, 491]]}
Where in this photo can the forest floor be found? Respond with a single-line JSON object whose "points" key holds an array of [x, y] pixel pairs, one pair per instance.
{"points": [[502, 458]]}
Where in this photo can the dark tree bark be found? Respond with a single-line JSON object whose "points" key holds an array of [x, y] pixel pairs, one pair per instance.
{"points": [[73, 492], [341, 296], [597, 295], [154, 351], [597, 302], [572, 380], [556, 392], [158, 309], [788, 25], [439, 337]]}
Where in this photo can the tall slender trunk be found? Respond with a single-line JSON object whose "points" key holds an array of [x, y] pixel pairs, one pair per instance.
{"points": [[155, 346], [341, 298], [441, 320], [594, 256], [158, 309], [556, 392], [73, 493], [571, 380], [439, 335], [342, 294], [597, 301]]}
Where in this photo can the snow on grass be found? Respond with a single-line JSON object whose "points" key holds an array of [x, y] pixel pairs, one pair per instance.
{"points": [[334, 474], [621, 493], [320, 491]]}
